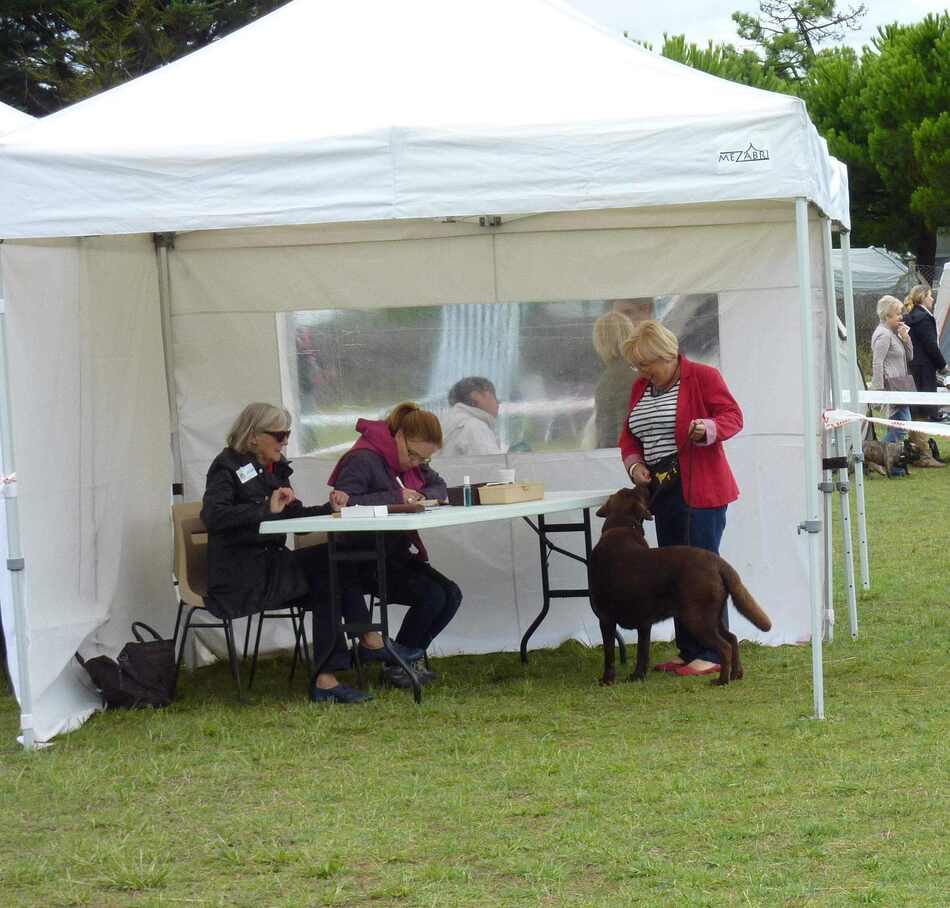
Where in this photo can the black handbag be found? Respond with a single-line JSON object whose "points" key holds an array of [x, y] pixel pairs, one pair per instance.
{"points": [[143, 675], [665, 472]]}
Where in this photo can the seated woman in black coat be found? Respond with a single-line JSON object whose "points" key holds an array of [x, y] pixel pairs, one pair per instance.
{"points": [[249, 482], [389, 464]]}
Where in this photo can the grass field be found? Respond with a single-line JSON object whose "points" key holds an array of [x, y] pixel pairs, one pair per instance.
{"points": [[527, 787]]}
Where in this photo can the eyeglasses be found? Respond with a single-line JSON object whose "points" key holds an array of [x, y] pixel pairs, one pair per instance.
{"points": [[415, 455], [279, 437]]}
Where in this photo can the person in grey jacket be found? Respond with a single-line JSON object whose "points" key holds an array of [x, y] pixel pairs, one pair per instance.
{"points": [[612, 393], [891, 350], [469, 426]]}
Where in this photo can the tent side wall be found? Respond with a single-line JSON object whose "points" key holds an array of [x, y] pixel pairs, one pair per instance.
{"points": [[90, 421], [228, 285]]}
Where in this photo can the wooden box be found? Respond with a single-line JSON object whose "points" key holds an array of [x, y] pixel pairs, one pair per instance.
{"points": [[511, 492]]}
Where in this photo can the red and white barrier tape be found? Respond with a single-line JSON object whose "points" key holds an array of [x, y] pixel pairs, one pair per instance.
{"points": [[834, 419]]}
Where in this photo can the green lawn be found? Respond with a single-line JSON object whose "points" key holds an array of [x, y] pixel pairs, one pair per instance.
{"points": [[527, 787]]}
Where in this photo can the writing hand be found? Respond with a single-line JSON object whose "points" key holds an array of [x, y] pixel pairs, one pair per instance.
{"points": [[410, 497]]}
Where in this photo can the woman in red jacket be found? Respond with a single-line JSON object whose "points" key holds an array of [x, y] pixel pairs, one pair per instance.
{"points": [[680, 413]]}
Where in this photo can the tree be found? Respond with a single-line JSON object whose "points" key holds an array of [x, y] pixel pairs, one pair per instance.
{"points": [[54, 54], [832, 93], [722, 60], [906, 98], [789, 32]]}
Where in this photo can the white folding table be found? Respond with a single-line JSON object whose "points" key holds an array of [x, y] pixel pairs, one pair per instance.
{"points": [[448, 516]]}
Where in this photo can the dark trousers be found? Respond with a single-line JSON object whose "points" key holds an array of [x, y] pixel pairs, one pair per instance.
{"points": [[676, 524], [432, 599], [925, 378], [315, 564]]}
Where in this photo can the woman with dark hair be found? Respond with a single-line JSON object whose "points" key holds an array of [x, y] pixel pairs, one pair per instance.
{"points": [[926, 362], [249, 482], [389, 464]]}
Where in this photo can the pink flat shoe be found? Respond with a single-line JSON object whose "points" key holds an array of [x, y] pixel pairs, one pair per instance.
{"points": [[668, 666], [686, 671]]}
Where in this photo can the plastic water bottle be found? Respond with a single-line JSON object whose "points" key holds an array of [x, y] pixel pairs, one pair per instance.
{"points": [[466, 491]]}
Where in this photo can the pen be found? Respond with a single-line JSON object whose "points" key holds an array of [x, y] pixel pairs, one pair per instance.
{"points": [[400, 484]]}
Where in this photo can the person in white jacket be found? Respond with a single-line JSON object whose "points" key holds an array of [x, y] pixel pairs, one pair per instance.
{"points": [[469, 426]]}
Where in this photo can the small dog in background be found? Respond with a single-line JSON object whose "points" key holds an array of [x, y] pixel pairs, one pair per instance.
{"points": [[884, 456], [635, 586]]}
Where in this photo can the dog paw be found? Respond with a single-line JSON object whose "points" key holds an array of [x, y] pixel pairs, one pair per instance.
{"points": [[717, 680], [607, 681], [737, 675], [638, 676]]}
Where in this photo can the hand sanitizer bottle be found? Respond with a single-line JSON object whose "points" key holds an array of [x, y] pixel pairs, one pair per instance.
{"points": [[466, 491]]}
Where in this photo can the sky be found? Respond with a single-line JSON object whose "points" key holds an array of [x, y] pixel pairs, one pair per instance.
{"points": [[701, 20]]}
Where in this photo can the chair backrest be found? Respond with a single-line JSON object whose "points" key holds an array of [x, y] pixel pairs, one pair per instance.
{"points": [[309, 540], [191, 553]]}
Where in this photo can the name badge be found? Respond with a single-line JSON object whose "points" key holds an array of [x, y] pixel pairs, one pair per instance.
{"points": [[246, 472]]}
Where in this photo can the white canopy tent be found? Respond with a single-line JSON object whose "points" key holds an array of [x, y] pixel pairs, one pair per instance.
{"points": [[12, 119], [365, 155]]}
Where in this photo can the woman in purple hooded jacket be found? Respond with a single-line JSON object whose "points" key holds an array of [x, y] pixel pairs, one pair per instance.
{"points": [[389, 464]]}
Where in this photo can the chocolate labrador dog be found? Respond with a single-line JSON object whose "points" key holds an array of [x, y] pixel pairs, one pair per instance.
{"points": [[635, 586]]}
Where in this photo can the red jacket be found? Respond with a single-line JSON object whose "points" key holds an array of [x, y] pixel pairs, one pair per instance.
{"points": [[707, 480]]}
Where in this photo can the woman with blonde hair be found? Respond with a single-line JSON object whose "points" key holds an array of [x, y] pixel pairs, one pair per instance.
{"points": [[248, 482], [927, 359], [389, 464], [679, 415], [891, 348], [612, 392]]}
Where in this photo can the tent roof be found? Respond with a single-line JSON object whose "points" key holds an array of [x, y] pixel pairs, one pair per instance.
{"points": [[11, 119], [372, 110], [873, 270]]}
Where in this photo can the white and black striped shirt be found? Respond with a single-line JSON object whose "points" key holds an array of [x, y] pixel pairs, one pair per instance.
{"points": [[652, 422]]}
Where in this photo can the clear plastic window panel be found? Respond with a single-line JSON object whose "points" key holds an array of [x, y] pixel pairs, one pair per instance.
{"points": [[342, 364]]}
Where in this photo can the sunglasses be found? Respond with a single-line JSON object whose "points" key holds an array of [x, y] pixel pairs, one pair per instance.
{"points": [[279, 437]]}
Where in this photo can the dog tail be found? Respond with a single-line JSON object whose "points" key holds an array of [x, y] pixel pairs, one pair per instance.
{"points": [[742, 598]]}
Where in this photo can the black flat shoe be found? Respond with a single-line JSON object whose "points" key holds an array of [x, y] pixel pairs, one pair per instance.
{"points": [[406, 653], [395, 676], [339, 694]]}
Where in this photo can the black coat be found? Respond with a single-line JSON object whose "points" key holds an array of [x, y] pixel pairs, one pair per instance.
{"points": [[927, 356], [247, 572]]}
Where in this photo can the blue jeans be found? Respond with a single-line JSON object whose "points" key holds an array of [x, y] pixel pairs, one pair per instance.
{"points": [[901, 414], [677, 524]]}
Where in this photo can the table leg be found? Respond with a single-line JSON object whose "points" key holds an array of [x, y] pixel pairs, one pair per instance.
{"points": [[383, 590], [322, 657], [546, 547]]}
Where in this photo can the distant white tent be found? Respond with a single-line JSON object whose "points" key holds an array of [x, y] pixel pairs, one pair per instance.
{"points": [[453, 152], [874, 270]]}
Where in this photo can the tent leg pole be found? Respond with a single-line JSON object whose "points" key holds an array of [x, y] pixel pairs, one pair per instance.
{"points": [[827, 486], [840, 438], [812, 522], [163, 242], [15, 562], [848, 290]]}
